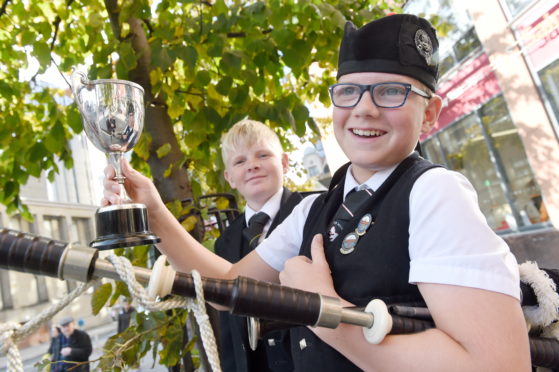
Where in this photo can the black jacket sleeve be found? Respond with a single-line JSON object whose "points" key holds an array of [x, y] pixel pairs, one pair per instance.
{"points": [[80, 343]]}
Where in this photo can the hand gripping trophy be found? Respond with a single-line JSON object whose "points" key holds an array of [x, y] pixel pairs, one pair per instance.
{"points": [[113, 118]]}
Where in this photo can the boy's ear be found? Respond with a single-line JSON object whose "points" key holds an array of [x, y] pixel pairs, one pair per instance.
{"points": [[228, 179], [432, 112], [285, 162]]}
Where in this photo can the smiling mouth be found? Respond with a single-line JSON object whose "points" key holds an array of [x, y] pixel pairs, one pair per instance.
{"points": [[367, 133], [254, 178]]}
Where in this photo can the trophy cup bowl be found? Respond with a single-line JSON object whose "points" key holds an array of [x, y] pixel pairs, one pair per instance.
{"points": [[113, 117]]}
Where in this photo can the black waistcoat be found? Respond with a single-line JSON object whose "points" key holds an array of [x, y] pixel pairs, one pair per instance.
{"points": [[377, 268], [235, 352]]}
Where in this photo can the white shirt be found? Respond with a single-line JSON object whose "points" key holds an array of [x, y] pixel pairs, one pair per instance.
{"points": [[271, 208], [450, 241]]}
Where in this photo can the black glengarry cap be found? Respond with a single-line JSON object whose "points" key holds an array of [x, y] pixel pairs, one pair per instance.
{"points": [[398, 44]]}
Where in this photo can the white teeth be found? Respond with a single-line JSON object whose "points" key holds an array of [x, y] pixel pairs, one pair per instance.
{"points": [[367, 133]]}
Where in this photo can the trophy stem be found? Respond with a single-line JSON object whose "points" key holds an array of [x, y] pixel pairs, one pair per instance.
{"points": [[114, 160]]}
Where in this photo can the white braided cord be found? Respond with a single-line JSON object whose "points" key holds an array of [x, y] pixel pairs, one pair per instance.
{"points": [[125, 270], [7, 331], [206, 331]]}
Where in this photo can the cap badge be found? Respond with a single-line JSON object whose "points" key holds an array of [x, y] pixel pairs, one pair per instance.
{"points": [[424, 46]]}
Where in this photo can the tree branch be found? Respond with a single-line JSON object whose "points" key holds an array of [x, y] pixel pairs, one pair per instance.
{"points": [[190, 93], [148, 25], [4, 6], [57, 26], [233, 35], [112, 9]]}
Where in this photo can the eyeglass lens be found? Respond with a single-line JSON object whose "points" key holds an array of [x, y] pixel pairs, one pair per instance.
{"points": [[384, 95]]}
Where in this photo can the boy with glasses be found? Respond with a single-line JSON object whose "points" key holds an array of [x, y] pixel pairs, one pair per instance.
{"points": [[392, 226]]}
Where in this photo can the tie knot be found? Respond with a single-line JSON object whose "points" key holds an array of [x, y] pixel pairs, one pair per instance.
{"points": [[353, 201], [357, 196], [254, 229], [259, 218]]}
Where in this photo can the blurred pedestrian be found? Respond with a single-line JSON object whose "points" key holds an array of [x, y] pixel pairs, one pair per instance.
{"points": [[69, 346], [124, 315]]}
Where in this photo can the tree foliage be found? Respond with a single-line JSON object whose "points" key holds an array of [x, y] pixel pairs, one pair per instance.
{"points": [[203, 65]]}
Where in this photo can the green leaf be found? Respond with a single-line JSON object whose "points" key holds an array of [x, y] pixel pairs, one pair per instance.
{"points": [[10, 189], [300, 113], [231, 63], [239, 95], [224, 85], [127, 56], [142, 146], [42, 51], [163, 150], [203, 78], [37, 152], [332, 13], [172, 341], [189, 55], [74, 119], [286, 117], [56, 141], [100, 297], [220, 7], [96, 20], [168, 171], [28, 36], [47, 10], [160, 56], [121, 289], [216, 48]]}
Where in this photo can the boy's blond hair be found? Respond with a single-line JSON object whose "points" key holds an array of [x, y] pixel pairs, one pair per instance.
{"points": [[246, 133]]}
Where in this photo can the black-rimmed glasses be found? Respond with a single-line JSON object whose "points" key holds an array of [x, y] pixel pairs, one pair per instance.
{"points": [[386, 95]]}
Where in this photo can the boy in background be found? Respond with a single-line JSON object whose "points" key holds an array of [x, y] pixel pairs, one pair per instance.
{"points": [[255, 165]]}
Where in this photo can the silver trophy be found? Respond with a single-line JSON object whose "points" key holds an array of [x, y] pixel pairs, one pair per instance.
{"points": [[113, 118]]}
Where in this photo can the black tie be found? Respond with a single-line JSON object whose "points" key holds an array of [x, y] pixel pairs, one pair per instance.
{"points": [[351, 204], [254, 229]]}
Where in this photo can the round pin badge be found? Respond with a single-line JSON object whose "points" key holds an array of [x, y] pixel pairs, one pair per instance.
{"points": [[349, 243], [364, 224]]}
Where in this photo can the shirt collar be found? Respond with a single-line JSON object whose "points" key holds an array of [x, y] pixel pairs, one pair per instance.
{"points": [[271, 207], [373, 183]]}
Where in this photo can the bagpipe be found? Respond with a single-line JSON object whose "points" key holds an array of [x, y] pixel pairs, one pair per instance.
{"points": [[274, 305]]}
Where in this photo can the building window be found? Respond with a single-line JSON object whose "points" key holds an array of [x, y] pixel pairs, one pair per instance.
{"points": [[81, 230], [486, 148], [516, 6], [23, 288], [466, 44], [53, 227], [452, 18], [19, 223], [313, 171], [549, 77]]}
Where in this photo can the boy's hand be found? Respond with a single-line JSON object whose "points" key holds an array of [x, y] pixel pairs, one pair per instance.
{"points": [[310, 275], [139, 188]]}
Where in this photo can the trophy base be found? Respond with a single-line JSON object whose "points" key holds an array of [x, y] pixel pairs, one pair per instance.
{"points": [[122, 225]]}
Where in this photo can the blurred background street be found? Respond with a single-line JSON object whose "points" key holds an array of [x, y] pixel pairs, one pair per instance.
{"points": [[32, 354]]}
